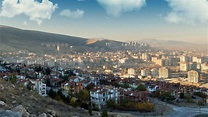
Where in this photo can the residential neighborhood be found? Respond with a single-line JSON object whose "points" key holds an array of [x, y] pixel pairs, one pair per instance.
{"points": [[100, 88]]}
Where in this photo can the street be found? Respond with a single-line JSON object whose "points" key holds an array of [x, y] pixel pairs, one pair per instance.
{"points": [[182, 111]]}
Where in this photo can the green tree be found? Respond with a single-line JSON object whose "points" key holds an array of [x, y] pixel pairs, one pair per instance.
{"points": [[90, 111], [188, 99], [90, 86], [13, 79], [28, 87], [52, 93], [166, 96], [104, 113], [57, 98], [125, 85], [48, 82], [200, 103], [111, 103], [48, 71], [181, 95], [38, 68], [200, 94], [141, 87], [84, 95], [73, 101]]}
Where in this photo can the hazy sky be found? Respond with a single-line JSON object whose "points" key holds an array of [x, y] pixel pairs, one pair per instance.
{"points": [[124, 20]]}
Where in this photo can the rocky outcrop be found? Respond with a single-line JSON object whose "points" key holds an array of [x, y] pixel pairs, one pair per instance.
{"points": [[2, 103], [9, 113], [17, 101], [21, 110]]}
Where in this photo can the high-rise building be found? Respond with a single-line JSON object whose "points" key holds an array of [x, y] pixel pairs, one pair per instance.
{"points": [[183, 66], [144, 72], [57, 48], [164, 72], [131, 71], [184, 58], [160, 62], [174, 61], [154, 59], [154, 72], [204, 67], [167, 62], [192, 66], [194, 59], [198, 59], [145, 56], [193, 76]]}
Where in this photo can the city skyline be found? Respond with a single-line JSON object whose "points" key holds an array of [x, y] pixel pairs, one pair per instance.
{"points": [[133, 20]]}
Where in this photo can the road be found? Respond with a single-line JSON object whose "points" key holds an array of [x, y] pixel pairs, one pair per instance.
{"points": [[182, 111], [186, 111]]}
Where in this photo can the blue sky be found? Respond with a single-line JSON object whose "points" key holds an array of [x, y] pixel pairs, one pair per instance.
{"points": [[123, 20]]}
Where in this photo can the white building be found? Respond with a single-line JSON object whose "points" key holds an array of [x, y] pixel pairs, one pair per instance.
{"points": [[39, 86], [204, 67], [164, 72], [193, 76], [131, 71], [144, 72], [184, 58], [183, 66], [100, 94], [160, 62], [57, 48], [145, 56], [152, 88], [122, 61], [198, 59]]}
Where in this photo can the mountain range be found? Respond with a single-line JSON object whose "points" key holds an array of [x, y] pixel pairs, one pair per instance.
{"points": [[175, 45], [18, 39]]}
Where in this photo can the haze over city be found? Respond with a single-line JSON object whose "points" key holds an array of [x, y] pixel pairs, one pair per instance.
{"points": [[123, 20]]}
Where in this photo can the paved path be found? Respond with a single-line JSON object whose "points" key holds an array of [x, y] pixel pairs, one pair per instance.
{"points": [[182, 111], [186, 111]]}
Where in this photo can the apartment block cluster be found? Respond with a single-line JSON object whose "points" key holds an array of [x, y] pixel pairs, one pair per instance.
{"points": [[194, 66], [171, 65], [127, 64]]}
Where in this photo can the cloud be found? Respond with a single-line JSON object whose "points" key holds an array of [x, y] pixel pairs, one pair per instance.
{"points": [[36, 11], [117, 7], [72, 14], [188, 11]]}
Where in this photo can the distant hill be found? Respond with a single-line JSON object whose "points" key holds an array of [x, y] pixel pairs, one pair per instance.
{"points": [[18, 39], [172, 44], [161, 42], [35, 41]]}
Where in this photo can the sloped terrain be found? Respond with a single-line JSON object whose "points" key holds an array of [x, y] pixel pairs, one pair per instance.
{"points": [[19, 101]]}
